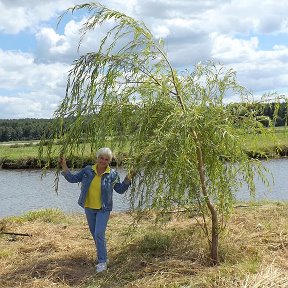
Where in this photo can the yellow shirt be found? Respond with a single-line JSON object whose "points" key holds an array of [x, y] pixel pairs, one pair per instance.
{"points": [[93, 198]]}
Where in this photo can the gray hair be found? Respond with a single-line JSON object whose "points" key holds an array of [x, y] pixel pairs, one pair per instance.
{"points": [[105, 151]]}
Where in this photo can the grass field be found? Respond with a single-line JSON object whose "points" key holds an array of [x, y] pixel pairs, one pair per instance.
{"points": [[262, 142], [259, 143], [16, 151], [60, 253]]}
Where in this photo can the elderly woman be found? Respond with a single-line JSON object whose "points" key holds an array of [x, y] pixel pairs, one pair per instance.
{"points": [[97, 184]]}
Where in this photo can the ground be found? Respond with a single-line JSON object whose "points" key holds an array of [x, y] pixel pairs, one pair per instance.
{"points": [[61, 253]]}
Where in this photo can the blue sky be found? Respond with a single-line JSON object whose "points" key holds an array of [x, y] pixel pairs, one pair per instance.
{"points": [[250, 36]]}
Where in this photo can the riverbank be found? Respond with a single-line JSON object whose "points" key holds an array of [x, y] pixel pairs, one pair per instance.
{"points": [[24, 160], [60, 252], [24, 155]]}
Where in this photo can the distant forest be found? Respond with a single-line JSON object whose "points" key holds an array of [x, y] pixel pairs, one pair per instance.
{"points": [[33, 129], [22, 129]]}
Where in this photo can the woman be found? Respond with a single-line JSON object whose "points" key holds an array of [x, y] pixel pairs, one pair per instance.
{"points": [[97, 184]]}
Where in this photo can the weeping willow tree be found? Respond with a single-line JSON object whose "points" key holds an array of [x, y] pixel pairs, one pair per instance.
{"points": [[185, 144]]}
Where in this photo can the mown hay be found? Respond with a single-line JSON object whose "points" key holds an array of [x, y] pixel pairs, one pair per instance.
{"points": [[61, 252]]}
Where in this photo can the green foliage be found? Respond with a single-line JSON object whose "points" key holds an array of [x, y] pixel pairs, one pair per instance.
{"points": [[186, 144], [23, 129]]}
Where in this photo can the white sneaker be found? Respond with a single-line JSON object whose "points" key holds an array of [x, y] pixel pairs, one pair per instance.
{"points": [[100, 267]]}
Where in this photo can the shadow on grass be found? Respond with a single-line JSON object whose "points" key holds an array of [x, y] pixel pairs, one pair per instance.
{"points": [[171, 255], [72, 271], [155, 254]]}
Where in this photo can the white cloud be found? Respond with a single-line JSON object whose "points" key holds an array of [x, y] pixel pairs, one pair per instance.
{"points": [[29, 88], [263, 70], [52, 47], [230, 32], [232, 50], [18, 15], [21, 107], [161, 31]]}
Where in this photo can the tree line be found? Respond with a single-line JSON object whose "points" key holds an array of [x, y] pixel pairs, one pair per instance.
{"points": [[34, 129], [22, 129]]}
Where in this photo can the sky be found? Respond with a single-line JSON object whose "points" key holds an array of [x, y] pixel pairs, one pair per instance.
{"points": [[250, 36]]}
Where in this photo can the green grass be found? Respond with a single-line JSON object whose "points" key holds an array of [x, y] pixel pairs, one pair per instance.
{"points": [[256, 143], [44, 215], [15, 152], [265, 142]]}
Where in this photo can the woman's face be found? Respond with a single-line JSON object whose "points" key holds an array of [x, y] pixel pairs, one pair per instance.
{"points": [[103, 161]]}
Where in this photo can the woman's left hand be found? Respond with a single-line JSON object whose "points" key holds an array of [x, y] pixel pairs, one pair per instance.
{"points": [[131, 174]]}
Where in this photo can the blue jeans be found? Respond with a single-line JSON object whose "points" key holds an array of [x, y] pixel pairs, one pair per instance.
{"points": [[97, 222]]}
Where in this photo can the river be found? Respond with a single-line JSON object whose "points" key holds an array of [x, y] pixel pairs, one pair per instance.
{"points": [[24, 190]]}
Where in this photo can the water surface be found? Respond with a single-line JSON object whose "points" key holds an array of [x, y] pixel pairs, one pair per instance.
{"points": [[24, 190]]}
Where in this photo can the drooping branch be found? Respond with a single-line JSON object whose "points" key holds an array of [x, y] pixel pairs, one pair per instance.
{"points": [[177, 92]]}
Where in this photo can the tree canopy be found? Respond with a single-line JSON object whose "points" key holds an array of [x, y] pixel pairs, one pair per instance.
{"points": [[185, 143]]}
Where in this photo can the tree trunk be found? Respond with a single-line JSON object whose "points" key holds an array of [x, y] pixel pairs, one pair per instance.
{"points": [[214, 236], [214, 217]]}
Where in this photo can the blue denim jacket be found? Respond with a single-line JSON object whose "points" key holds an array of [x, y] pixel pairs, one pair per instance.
{"points": [[109, 181]]}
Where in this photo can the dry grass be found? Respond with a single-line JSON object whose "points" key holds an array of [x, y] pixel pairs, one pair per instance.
{"points": [[267, 277], [60, 252]]}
